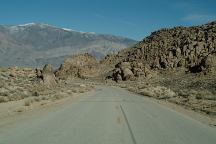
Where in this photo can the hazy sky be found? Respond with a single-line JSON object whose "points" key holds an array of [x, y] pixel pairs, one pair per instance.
{"points": [[131, 18]]}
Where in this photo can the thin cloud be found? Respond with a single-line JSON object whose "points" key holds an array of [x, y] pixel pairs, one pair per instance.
{"points": [[198, 18]]}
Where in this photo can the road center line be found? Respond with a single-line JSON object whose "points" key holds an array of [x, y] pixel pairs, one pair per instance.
{"points": [[128, 125]]}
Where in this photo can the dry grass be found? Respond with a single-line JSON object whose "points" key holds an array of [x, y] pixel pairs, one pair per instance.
{"points": [[158, 92], [17, 84]]}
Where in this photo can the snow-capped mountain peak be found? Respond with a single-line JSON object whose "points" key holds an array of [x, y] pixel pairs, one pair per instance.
{"points": [[27, 24], [71, 30], [16, 28]]}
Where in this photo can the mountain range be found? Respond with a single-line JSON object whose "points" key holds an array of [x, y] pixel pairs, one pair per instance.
{"points": [[33, 44]]}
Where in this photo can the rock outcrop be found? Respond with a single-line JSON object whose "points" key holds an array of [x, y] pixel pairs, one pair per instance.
{"points": [[81, 66], [47, 76], [193, 48], [129, 71]]}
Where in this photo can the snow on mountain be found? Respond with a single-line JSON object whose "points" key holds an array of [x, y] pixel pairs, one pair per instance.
{"points": [[27, 24], [34, 44]]}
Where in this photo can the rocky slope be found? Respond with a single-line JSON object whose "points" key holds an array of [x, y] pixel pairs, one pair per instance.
{"points": [[176, 65], [33, 45], [192, 48]]}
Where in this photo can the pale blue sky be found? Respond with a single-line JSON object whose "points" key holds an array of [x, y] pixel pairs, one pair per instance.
{"points": [[131, 18]]}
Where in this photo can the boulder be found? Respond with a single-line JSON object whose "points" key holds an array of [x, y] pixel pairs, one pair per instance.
{"points": [[208, 63], [138, 72], [47, 76], [127, 74], [116, 75], [80, 65]]}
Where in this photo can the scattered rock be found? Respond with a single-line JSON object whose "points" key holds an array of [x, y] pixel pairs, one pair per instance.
{"points": [[128, 71]]}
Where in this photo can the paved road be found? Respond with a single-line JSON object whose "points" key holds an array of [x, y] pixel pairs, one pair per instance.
{"points": [[110, 116]]}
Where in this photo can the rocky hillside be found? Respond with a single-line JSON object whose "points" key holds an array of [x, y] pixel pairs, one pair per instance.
{"points": [[33, 45], [176, 65], [192, 48]]}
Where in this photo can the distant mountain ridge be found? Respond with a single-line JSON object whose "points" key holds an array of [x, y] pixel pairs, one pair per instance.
{"points": [[33, 44]]}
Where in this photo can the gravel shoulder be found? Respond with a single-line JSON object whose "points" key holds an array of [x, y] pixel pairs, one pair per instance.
{"points": [[15, 111]]}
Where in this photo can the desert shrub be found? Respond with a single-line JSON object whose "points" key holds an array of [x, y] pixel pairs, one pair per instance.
{"points": [[147, 92], [2, 84], [29, 102], [158, 92], [44, 98], [35, 94], [132, 89], [69, 92], [123, 86], [74, 90], [58, 97], [3, 99], [20, 110], [183, 93], [197, 94], [37, 99], [82, 90], [142, 86], [205, 96], [4, 92]]}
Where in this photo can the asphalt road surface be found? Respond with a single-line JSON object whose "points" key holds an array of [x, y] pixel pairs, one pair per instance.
{"points": [[110, 116]]}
